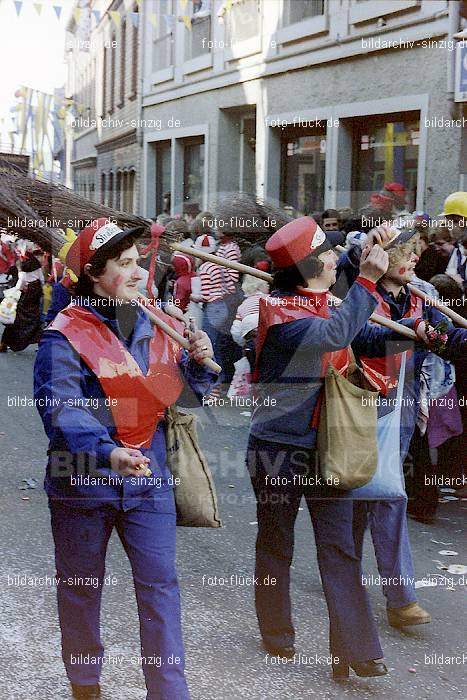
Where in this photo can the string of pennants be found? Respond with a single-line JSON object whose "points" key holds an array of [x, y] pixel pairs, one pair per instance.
{"points": [[203, 9]]}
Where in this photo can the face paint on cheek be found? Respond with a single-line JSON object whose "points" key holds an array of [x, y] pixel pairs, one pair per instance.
{"points": [[402, 271], [117, 281], [329, 266]]}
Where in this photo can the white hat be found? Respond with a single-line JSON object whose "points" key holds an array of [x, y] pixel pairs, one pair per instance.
{"points": [[355, 238]]}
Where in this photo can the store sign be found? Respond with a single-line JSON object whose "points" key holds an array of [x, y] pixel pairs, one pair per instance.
{"points": [[461, 71]]}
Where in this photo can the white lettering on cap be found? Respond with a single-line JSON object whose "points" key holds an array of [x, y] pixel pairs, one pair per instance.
{"points": [[103, 235], [318, 238]]}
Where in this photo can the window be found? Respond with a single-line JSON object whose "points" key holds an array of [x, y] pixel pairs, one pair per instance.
{"points": [[134, 57], [163, 32], [163, 177], [298, 10], [122, 61], [118, 190], [112, 73], [197, 41], [303, 169], [243, 20], [103, 188], [110, 192], [385, 150], [105, 63], [193, 172]]}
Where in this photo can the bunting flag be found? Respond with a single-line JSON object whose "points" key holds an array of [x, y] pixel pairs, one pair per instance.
{"points": [[187, 22], [183, 4], [97, 15], [38, 7], [116, 16], [77, 14], [134, 17], [58, 10], [18, 6], [153, 19]]}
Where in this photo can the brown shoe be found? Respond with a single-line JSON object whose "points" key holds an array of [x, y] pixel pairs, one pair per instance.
{"points": [[411, 614]]}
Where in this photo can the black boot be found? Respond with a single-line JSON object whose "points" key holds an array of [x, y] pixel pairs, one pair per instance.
{"points": [[86, 692], [364, 669]]}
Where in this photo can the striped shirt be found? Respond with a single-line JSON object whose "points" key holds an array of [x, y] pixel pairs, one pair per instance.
{"points": [[231, 251], [218, 281], [250, 305]]}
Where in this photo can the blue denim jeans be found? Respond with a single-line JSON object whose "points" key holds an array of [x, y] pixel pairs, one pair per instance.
{"points": [[147, 534], [387, 521]]}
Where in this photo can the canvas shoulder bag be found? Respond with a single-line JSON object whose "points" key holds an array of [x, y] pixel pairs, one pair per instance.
{"points": [[346, 442], [195, 494]]}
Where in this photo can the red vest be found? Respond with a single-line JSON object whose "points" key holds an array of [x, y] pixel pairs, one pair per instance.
{"points": [[275, 310], [137, 401], [383, 372]]}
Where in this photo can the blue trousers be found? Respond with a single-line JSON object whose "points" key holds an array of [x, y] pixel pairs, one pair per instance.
{"points": [[217, 320], [353, 634], [147, 533], [388, 526]]}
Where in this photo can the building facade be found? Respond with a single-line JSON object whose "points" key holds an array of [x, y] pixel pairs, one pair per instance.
{"points": [[310, 103], [104, 151]]}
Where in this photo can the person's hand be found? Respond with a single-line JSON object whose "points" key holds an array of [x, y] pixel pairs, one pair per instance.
{"points": [[200, 346], [380, 235], [129, 462], [174, 311], [422, 331], [374, 263]]}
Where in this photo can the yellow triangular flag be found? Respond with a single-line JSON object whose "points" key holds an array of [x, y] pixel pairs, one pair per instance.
{"points": [[187, 21], [38, 7], [183, 4], [77, 14], [116, 16], [153, 19]]}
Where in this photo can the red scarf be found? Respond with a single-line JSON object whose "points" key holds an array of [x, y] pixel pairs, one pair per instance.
{"points": [[383, 372], [137, 401]]}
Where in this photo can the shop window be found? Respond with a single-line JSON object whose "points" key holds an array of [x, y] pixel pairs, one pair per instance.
{"points": [[243, 21], [299, 10], [385, 150], [163, 177], [303, 169], [193, 172]]}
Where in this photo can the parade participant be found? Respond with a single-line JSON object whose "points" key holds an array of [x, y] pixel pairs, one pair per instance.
{"points": [[103, 378], [298, 337], [26, 328], [455, 212], [387, 517]]}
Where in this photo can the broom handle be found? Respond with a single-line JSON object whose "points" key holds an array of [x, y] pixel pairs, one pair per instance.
{"points": [[381, 320], [177, 336], [446, 310], [239, 267]]}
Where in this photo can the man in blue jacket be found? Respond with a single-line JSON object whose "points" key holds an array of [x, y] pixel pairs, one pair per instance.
{"points": [[103, 378]]}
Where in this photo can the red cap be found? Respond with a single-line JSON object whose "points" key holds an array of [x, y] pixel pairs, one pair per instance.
{"points": [[99, 233], [296, 241]]}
